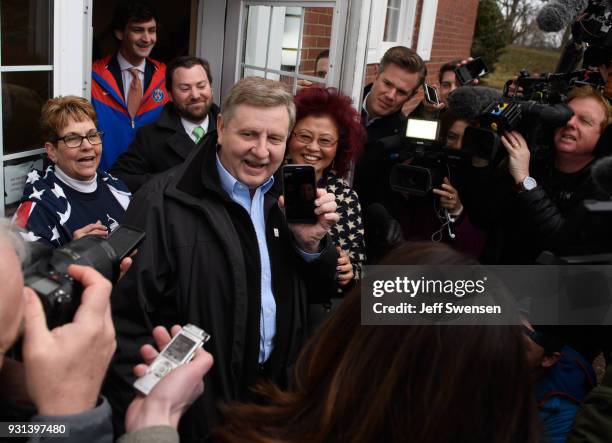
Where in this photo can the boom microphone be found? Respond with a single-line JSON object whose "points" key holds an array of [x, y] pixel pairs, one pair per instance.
{"points": [[557, 14], [469, 101]]}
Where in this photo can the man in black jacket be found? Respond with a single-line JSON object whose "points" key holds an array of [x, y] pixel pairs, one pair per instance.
{"points": [[220, 255], [538, 205], [182, 124], [400, 73]]}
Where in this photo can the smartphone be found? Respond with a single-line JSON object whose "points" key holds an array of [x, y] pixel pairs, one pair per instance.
{"points": [[125, 239], [431, 94], [300, 191], [179, 351], [471, 71]]}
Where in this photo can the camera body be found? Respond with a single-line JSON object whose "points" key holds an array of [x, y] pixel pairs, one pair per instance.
{"points": [[422, 161], [47, 272], [535, 114]]}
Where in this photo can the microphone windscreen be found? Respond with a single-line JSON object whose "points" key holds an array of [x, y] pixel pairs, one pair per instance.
{"points": [[602, 174], [469, 101], [557, 14]]}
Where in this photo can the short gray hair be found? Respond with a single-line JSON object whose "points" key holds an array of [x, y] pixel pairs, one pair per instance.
{"points": [[12, 233], [259, 92]]}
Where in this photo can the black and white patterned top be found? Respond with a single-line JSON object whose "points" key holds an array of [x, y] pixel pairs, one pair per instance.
{"points": [[348, 232]]}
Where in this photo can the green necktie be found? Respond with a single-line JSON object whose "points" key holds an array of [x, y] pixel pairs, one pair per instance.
{"points": [[198, 133]]}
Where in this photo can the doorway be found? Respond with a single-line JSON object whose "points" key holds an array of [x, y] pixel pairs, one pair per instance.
{"points": [[176, 34]]}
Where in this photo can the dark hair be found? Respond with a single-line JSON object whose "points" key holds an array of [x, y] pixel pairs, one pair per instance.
{"points": [[449, 66], [337, 106], [137, 11], [449, 118], [322, 54], [404, 58], [356, 383], [186, 61]]}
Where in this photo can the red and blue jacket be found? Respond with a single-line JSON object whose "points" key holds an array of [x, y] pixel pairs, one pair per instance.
{"points": [[111, 108]]}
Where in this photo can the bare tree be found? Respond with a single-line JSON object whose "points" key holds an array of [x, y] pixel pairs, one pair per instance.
{"points": [[518, 15]]}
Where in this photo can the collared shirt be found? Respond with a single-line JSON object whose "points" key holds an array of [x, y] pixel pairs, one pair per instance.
{"points": [[367, 120], [240, 193], [190, 126], [126, 76]]}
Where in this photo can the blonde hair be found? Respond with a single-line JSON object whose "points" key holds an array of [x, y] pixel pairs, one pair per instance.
{"points": [[58, 111], [590, 92]]}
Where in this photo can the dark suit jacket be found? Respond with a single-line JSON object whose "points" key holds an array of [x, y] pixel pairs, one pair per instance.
{"points": [[372, 170], [157, 147]]}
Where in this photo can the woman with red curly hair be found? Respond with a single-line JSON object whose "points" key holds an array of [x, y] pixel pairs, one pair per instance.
{"points": [[327, 134]]}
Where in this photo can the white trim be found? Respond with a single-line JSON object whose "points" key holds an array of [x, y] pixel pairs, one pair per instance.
{"points": [[376, 46], [26, 68], [70, 47], [427, 28], [22, 154], [210, 39], [361, 53]]}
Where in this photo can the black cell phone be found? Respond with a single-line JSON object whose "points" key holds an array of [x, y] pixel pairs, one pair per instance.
{"points": [[431, 94], [300, 191], [471, 71], [125, 239]]}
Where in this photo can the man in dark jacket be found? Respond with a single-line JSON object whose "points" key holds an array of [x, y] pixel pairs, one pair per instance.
{"points": [[182, 124], [538, 205], [400, 73], [220, 255]]}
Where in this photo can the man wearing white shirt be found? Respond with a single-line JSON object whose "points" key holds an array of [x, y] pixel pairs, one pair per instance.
{"points": [[128, 88], [183, 122]]}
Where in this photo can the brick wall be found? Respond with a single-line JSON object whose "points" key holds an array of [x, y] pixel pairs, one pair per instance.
{"points": [[453, 35], [316, 36]]}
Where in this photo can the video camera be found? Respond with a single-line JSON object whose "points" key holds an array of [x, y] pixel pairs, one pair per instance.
{"points": [[47, 272], [422, 161], [534, 114]]}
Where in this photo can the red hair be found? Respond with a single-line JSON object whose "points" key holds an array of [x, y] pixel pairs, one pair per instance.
{"points": [[331, 103]]}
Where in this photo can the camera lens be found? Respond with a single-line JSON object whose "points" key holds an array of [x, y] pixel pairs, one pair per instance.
{"points": [[89, 251]]}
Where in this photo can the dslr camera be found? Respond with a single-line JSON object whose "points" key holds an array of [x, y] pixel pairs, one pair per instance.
{"points": [[47, 271]]}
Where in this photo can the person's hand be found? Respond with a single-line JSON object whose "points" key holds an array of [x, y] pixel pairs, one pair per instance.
{"points": [[344, 267], [64, 368], [431, 108], [518, 155], [96, 228], [449, 198], [413, 102], [308, 237], [170, 397]]}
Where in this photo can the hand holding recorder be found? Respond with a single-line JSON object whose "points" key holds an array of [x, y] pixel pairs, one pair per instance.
{"points": [[176, 390]]}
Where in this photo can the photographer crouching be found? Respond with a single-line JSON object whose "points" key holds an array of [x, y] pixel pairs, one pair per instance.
{"points": [[539, 205]]}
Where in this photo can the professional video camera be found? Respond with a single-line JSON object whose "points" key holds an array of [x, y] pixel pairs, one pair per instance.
{"points": [[422, 160], [534, 113], [47, 272]]}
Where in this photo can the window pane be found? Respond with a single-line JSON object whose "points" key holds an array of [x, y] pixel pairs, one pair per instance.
{"points": [[392, 21], [23, 94], [316, 38], [27, 32]]}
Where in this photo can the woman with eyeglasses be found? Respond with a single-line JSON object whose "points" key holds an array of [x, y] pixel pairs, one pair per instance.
{"points": [[327, 134], [71, 198]]}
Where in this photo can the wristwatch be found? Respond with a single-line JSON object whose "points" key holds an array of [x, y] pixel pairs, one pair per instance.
{"points": [[527, 184]]}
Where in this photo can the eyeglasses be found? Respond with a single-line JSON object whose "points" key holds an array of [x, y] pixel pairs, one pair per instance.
{"points": [[76, 140], [307, 139]]}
